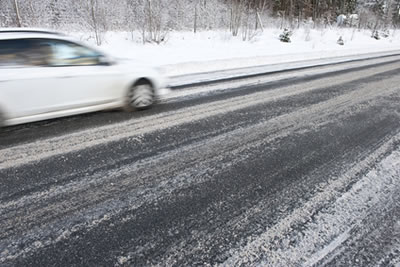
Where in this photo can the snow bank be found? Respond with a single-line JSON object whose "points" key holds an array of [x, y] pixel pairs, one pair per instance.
{"points": [[186, 52]]}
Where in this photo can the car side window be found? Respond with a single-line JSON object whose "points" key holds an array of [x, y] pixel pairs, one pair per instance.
{"points": [[24, 53], [13, 53], [71, 54], [45, 53], [39, 53]]}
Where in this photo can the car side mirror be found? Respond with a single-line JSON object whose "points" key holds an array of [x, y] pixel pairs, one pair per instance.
{"points": [[104, 61]]}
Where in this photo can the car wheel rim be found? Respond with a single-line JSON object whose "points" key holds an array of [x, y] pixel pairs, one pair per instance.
{"points": [[141, 96]]}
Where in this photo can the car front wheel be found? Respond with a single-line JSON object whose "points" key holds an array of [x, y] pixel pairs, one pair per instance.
{"points": [[140, 96]]}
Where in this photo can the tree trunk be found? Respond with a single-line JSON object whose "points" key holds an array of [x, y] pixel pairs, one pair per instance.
{"points": [[256, 27], [17, 14], [260, 21], [195, 18], [150, 21], [94, 20]]}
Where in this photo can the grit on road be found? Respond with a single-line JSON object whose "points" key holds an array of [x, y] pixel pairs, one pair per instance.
{"points": [[273, 171]]}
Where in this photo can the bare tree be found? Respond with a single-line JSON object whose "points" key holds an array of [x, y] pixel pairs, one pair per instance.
{"points": [[154, 18], [96, 18], [17, 14], [154, 29], [237, 7], [196, 13]]}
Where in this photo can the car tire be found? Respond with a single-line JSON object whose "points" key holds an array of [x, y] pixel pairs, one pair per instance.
{"points": [[140, 96]]}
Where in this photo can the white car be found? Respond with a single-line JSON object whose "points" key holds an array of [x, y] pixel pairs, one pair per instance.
{"points": [[45, 75]]}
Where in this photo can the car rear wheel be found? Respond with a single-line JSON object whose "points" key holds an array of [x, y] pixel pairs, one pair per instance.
{"points": [[140, 96]]}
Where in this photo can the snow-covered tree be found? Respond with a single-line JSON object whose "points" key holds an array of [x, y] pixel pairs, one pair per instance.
{"points": [[285, 36], [156, 17]]}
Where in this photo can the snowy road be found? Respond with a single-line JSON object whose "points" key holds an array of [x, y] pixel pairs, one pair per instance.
{"points": [[294, 169]]}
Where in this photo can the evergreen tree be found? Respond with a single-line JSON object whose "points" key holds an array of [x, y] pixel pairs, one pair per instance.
{"points": [[285, 36], [340, 41]]}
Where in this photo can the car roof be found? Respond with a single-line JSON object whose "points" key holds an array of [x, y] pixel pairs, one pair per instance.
{"points": [[28, 30], [32, 33], [16, 33]]}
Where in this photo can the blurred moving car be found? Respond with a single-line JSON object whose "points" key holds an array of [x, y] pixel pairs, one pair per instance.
{"points": [[45, 75]]}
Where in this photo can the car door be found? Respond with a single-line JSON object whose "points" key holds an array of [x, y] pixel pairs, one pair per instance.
{"points": [[20, 78], [57, 75], [86, 77]]}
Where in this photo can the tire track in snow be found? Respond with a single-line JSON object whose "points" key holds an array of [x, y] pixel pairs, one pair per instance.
{"points": [[331, 226]]}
